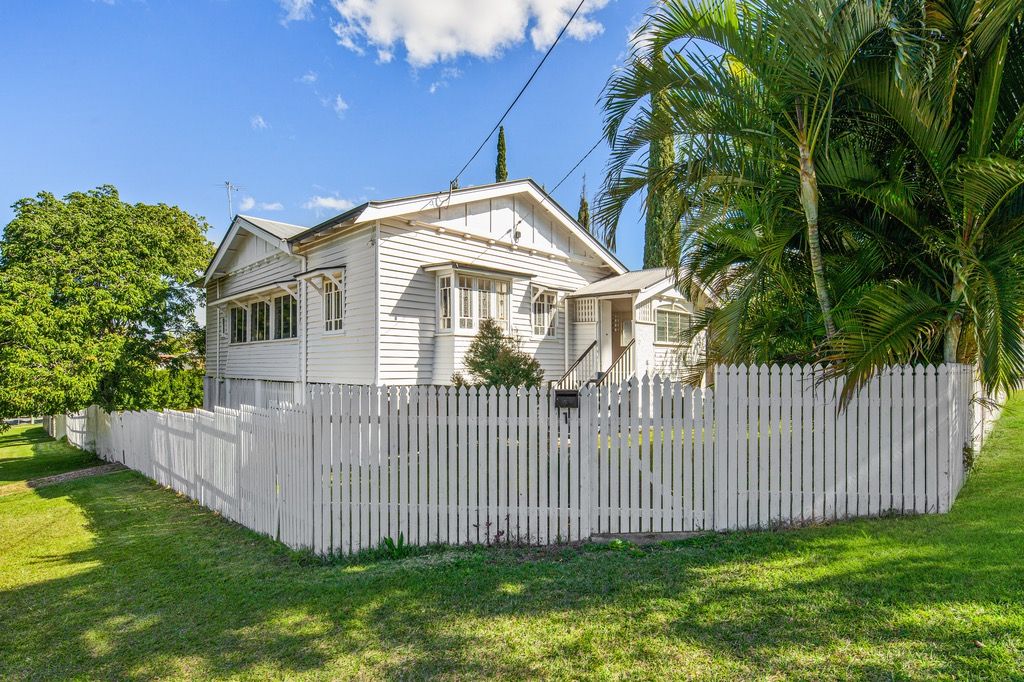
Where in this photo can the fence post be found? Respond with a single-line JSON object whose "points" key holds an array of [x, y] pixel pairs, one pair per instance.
{"points": [[721, 456], [587, 460]]}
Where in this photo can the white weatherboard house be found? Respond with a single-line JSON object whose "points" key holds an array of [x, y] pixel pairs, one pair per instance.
{"points": [[392, 292]]}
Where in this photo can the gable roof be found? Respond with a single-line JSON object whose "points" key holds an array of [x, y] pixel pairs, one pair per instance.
{"points": [[271, 231], [285, 235], [389, 208], [278, 229]]}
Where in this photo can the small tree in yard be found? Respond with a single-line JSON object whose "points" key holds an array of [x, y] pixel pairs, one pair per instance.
{"points": [[495, 359]]}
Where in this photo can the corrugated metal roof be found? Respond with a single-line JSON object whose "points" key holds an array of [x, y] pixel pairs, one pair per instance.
{"points": [[627, 283], [279, 230]]}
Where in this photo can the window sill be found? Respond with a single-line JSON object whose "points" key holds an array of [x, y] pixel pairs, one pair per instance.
{"points": [[260, 343]]}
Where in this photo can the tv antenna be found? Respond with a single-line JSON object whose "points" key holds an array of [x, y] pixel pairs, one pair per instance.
{"points": [[229, 187]]}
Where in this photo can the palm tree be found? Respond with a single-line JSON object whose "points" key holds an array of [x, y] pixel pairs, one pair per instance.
{"points": [[940, 156], [899, 157], [768, 87]]}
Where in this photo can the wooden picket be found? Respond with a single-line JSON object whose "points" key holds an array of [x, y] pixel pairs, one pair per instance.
{"points": [[353, 465]]}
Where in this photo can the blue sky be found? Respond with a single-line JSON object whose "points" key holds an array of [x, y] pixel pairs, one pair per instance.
{"points": [[307, 105]]}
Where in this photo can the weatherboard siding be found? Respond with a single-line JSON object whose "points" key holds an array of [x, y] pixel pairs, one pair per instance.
{"points": [[410, 350], [255, 264], [347, 356]]}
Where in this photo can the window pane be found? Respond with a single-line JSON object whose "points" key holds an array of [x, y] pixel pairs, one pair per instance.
{"points": [[502, 302], [485, 289], [445, 302], [239, 325], [465, 302], [334, 304], [286, 310]]}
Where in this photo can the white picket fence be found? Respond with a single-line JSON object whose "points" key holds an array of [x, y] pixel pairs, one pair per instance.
{"points": [[766, 446]]}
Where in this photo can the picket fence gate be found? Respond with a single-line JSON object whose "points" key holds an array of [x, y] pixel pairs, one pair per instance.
{"points": [[355, 464]]}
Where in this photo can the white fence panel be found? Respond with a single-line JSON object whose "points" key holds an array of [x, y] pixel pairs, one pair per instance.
{"points": [[767, 445]]}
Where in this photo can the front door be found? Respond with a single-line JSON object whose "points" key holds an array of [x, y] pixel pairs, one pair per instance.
{"points": [[617, 319]]}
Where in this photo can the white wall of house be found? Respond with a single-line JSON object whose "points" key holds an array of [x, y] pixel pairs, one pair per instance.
{"points": [[412, 351], [390, 333], [345, 356], [255, 263]]}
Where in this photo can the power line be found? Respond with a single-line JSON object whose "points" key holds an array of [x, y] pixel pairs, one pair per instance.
{"points": [[529, 80], [578, 164], [597, 144]]}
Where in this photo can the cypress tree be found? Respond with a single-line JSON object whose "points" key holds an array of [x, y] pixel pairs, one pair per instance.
{"points": [[583, 215], [500, 171], [661, 231]]}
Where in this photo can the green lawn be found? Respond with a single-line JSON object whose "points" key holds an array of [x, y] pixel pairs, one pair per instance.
{"points": [[26, 452], [113, 577]]}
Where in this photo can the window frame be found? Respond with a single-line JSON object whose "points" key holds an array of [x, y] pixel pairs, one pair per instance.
{"points": [[674, 311], [333, 294], [260, 322], [238, 313], [549, 297], [468, 297], [293, 317]]}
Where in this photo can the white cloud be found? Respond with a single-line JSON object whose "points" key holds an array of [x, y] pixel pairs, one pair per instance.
{"points": [[320, 203], [258, 122], [444, 29], [448, 74], [248, 203], [339, 105], [296, 10], [308, 78]]}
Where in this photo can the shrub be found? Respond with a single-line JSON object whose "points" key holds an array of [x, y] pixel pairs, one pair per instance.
{"points": [[496, 359]]}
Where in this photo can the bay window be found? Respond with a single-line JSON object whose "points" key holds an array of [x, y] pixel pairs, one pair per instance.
{"points": [[469, 300]]}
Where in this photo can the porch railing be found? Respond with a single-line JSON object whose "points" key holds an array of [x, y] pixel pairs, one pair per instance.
{"points": [[622, 368], [583, 370]]}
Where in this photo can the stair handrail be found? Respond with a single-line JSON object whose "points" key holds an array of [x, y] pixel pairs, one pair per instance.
{"points": [[561, 383]]}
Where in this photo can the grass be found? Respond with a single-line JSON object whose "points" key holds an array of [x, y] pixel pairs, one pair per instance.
{"points": [[26, 452], [113, 577]]}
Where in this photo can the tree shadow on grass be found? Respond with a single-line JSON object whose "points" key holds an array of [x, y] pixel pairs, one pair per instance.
{"points": [[47, 456], [166, 588]]}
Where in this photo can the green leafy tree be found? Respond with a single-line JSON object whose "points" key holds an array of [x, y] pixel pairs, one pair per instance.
{"points": [[496, 359], [768, 98], [583, 214], [93, 291], [500, 169], [878, 143]]}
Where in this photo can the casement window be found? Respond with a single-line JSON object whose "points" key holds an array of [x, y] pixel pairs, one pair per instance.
{"points": [[259, 321], [485, 298], [239, 324], [470, 300], [465, 302], [669, 326], [286, 317], [444, 301], [545, 312], [334, 304], [501, 302]]}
